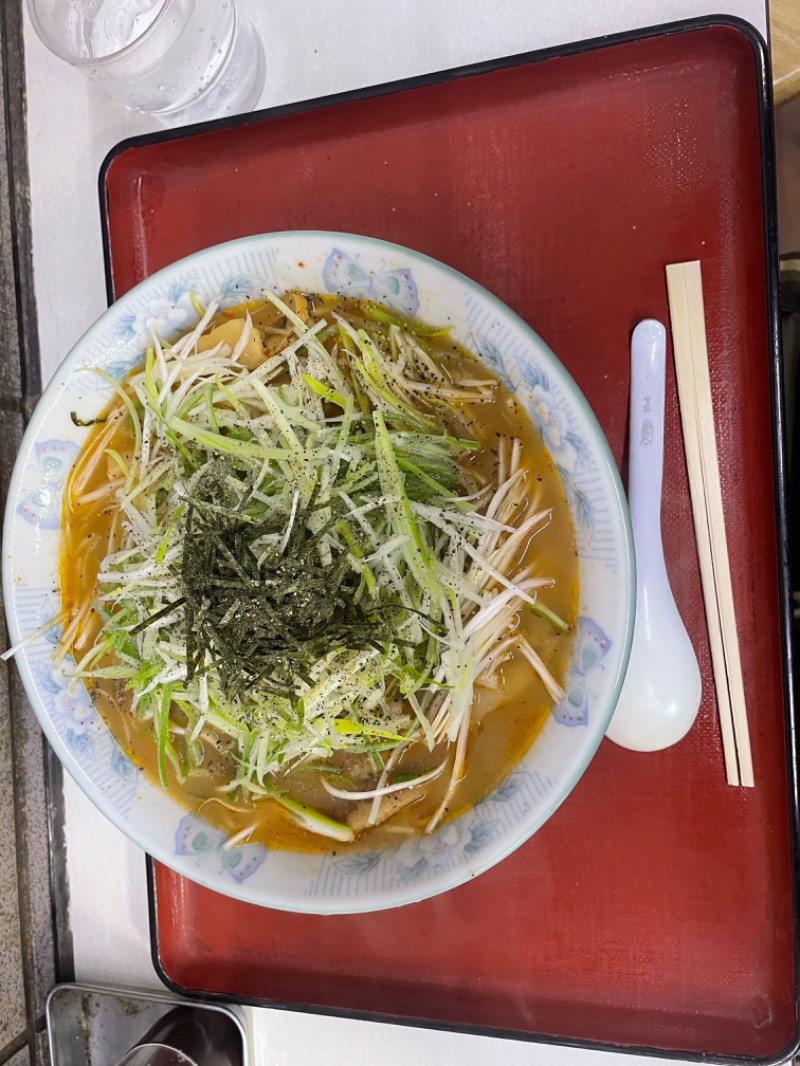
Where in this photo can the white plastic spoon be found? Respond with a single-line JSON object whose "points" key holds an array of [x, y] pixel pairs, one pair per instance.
{"points": [[660, 696]]}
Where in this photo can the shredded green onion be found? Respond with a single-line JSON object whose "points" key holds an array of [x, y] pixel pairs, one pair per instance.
{"points": [[303, 568]]}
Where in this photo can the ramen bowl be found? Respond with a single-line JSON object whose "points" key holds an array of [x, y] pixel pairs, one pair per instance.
{"points": [[413, 285]]}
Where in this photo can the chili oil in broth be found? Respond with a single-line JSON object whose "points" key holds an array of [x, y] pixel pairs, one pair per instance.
{"points": [[506, 718]]}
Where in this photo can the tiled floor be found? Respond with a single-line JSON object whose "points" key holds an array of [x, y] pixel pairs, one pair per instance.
{"points": [[12, 989], [26, 927]]}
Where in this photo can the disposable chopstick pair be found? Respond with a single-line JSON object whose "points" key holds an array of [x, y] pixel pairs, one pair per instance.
{"points": [[687, 313]]}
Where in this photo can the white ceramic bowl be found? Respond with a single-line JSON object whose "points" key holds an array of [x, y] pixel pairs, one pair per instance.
{"points": [[416, 286]]}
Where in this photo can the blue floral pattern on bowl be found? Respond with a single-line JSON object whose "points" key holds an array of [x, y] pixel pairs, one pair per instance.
{"points": [[439, 852], [41, 507], [70, 710], [345, 274], [590, 648], [196, 838], [412, 286], [427, 858], [550, 414], [167, 313]]}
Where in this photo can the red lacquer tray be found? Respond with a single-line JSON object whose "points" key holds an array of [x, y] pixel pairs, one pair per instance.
{"points": [[656, 909]]}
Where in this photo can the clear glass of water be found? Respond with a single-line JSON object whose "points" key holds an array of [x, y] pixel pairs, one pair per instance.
{"points": [[180, 60]]}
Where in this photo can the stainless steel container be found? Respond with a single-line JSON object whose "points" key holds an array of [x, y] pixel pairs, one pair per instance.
{"points": [[94, 1026]]}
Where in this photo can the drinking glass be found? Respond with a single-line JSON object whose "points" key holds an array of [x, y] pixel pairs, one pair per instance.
{"points": [[185, 60]]}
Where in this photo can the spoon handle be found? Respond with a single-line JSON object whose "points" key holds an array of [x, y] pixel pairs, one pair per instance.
{"points": [[646, 458]]}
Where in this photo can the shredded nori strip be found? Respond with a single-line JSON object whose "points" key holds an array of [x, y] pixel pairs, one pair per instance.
{"points": [[82, 422], [264, 617]]}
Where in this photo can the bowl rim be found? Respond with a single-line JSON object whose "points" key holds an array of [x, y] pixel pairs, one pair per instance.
{"points": [[461, 873]]}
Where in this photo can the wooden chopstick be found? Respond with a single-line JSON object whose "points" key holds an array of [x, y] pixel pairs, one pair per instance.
{"points": [[687, 313], [682, 345]]}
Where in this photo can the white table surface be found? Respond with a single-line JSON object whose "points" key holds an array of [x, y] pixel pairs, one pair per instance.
{"points": [[71, 126]]}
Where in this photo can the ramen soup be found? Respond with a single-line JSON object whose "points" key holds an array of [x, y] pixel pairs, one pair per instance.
{"points": [[318, 573]]}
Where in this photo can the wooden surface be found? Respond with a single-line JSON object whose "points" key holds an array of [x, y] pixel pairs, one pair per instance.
{"points": [[784, 26]]}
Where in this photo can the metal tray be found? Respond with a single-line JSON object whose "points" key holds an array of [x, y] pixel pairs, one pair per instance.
{"points": [[90, 1025]]}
